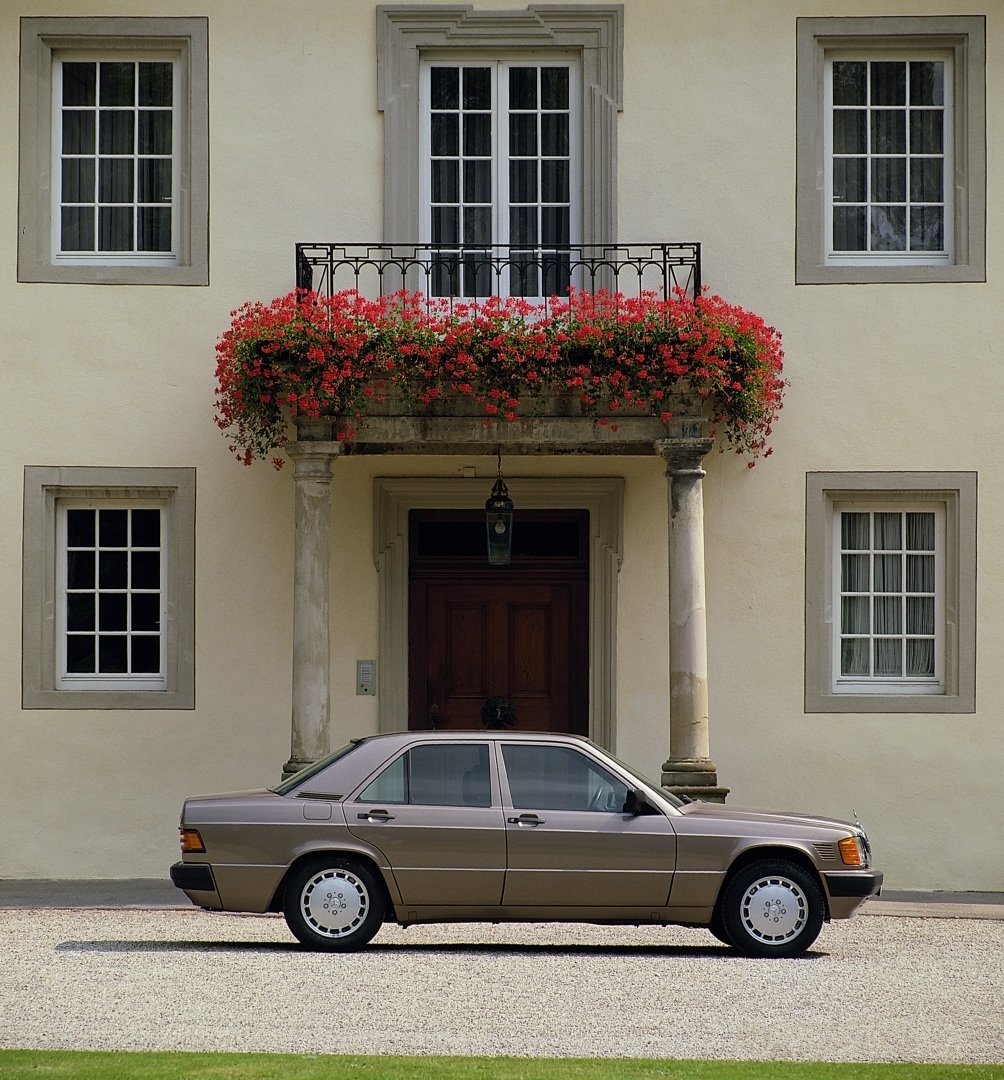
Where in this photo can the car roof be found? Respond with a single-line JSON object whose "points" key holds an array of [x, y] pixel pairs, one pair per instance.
{"points": [[477, 735]]}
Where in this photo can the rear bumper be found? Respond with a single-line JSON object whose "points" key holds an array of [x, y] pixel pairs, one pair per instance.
{"points": [[196, 881]]}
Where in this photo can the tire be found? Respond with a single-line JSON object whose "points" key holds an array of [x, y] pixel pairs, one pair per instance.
{"points": [[772, 908], [717, 927], [334, 904]]}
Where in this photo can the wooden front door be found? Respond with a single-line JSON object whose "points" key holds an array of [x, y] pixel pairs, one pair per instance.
{"points": [[503, 645]]}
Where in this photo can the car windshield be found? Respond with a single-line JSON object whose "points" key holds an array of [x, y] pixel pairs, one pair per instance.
{"points": [[297, 779]]}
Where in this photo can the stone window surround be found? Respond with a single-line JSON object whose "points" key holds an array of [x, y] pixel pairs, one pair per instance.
{"points": [[594, 32], [43, 487], [957, 493], [40, 37], [603, 497], [965, 37]]}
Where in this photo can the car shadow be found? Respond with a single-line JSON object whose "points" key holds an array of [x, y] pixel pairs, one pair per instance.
{"points": [[416, 948]]}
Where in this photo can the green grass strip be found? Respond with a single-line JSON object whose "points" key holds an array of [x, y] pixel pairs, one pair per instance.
{"points": [[121, 1065]]}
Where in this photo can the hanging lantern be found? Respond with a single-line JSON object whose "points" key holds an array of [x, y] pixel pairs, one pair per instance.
{"points": [[498, 521]]}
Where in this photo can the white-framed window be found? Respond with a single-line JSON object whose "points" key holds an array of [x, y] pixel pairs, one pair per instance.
{"points": [[890, 149], [890, 592], [113, 152], [889, 589], [501, 165], [889, 158], [111, 593], [585, 39], [117, 131], [109, 588]]}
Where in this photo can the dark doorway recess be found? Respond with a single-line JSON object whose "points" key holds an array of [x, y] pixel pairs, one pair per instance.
{"points": [[516, 636]]}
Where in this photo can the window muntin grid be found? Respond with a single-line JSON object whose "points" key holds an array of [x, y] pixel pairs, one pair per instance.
{"points": [[500, 167], [889, 160], [111, 596], [889, 599], [116, 138]]}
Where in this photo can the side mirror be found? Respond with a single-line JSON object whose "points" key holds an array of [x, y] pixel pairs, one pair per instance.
{"points": [[636, 803]]}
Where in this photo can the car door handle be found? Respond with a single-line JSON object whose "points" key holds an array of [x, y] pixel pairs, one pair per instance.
{"points": [[376, 815], [529, 820]]}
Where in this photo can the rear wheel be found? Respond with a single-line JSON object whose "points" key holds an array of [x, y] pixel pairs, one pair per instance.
{"points": [[334, 904], [772, 908]]}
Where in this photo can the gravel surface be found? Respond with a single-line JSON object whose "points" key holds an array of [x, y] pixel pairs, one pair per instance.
{"points": [[872, 989]]}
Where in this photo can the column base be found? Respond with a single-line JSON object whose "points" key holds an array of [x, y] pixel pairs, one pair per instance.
{"points": [[695, 778], [293, 766]]}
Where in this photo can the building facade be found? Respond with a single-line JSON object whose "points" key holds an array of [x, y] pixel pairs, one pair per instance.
{"points": [[813, 633]]}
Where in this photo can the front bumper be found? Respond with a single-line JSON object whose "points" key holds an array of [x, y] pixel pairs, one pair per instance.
{"points": [[848, 891]]}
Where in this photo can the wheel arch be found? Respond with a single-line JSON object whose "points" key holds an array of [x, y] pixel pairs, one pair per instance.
{"points": [[366, 858], [766, 853]]}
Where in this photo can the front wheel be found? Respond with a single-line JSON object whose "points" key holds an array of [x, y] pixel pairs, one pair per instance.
{"points": [[772, 908], [334, 904]]}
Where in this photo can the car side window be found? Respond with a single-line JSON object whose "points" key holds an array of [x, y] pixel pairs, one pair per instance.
{"points": [[447, 774], [560, 778]]}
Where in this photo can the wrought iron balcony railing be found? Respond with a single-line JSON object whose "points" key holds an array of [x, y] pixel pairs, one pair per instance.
{"points": [[470, 274]]}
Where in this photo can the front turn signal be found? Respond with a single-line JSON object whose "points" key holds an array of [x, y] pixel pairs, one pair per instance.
{"points": [[850, 851], [191, 841]]}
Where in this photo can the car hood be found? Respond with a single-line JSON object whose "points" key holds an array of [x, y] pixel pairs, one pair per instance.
{"points": [[700, 809]]}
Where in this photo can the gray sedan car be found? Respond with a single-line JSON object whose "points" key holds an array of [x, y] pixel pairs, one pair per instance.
{"points": [[513, 826]]}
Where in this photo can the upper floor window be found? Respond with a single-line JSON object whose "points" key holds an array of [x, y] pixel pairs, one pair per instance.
{"points": [[116, 195], [891, 156], [501, 166], [114, 151]]}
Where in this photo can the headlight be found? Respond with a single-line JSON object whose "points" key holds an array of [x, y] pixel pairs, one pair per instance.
{"points": [[854, 851], [191, 840]]}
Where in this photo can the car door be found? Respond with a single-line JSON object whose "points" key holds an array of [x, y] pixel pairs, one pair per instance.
{"points": [[570, 845], [435, 814]]}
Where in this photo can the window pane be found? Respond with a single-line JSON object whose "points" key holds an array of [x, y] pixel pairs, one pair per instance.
{"points": [[850, 179], [888, 83], [888, 532], [850, 132], [117, 84], [523, 225], [850, 82], [112, 611], [557, 778], [888, 656], [78, 133], [888, 573], [79, 83], [115, 184], [80, 611], [919, 657], [450, 775], [554, 88], [855, 531], [555, 185], [926, 180], [78, 180], [920, 573], [554, 225], [888, 232], [145, 611], [113, 528], [477, 226], [523, 134], [927, 82], [523, 180], [888, 615], [445, 225], [854, 573], [522, 88], [80, 528], [850, 228], [116, 132], [477, 88], [115, 229], [889, 179], [146, 569], [145, 653], [927, 131], [523, 275], [154, 132], [445, 135], [113, 654], [154, 180], [854, 656], [154, 228], [80, 572], [76, 228], [557, 270], [80, 656], [389, 787], [113, 570], [920, 532], [156, 84], [554, 134], [445, 182], [477, 181], [927, 231], [920, 615], [477, 135], [445, 87], [854, 615], [888, 131]]}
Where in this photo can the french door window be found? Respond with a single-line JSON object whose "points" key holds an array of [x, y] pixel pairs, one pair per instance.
{"points": [[889, 179], [115, 129], [500, 151]]}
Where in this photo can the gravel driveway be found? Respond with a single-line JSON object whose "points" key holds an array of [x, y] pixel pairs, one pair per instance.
{"points": [[877, 988]]}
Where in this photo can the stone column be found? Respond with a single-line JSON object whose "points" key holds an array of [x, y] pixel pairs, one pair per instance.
{"points": [[311, 602], [689, 770]]}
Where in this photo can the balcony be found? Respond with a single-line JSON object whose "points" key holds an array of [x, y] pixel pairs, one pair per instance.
{"points": [[465, 275]]}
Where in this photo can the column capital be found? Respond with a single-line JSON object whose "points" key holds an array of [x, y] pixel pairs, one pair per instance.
{"points": [[313, 460], [683, 456]]}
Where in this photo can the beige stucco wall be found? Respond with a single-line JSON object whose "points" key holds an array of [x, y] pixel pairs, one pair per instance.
{"points": [[882, 377]]}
